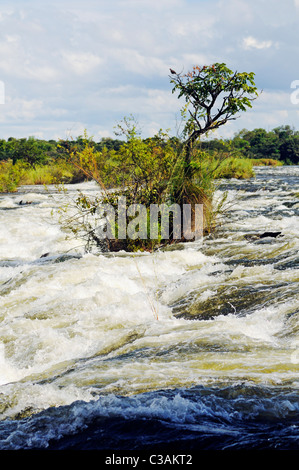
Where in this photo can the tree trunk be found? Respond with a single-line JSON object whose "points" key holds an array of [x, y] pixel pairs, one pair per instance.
{"points": [[188, 170]]}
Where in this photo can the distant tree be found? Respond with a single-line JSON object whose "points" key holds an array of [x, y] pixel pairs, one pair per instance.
{"points": [[109, 144], [288, 144], [260, 143], [241, 142], [2, 149], [26, 150], [281, 143]]}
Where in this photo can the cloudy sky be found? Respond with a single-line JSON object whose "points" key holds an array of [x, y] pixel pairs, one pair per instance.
{"points": [[71, 65]]}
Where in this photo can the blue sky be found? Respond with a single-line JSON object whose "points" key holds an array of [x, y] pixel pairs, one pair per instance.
{"points": [[74, 65]]}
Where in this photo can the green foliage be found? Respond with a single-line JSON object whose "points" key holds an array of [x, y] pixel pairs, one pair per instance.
{"points": [[148, 171], [10, 176], [85, 159], [53, 173], [281, 143], [25, 150], [140, 171], [214, 95], [235, 167], [265, 162], [145, 165], [157, 170]]}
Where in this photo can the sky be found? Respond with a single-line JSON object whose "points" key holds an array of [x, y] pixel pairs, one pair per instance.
{"points": [[71, 66]]}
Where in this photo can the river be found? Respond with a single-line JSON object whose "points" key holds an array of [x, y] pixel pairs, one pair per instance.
{"points": [[191, 348]]}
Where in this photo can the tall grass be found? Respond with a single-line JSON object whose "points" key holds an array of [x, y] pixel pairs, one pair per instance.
{"points": [[235, 167], [60, 171], [54, 173], [266, 162]]}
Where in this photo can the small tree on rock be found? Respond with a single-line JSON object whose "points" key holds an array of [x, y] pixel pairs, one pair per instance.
{"points": [[214, 95]]}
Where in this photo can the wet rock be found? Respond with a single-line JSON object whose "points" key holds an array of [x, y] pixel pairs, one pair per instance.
{"points": [[259, 236], [48, 258], [270, 234], [290, 204], [24, 203]]}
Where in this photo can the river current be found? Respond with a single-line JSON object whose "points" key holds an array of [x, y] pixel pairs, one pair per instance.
{"points": [[194, 347]]}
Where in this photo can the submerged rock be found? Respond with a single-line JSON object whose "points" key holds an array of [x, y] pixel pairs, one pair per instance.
{"points": [[56, 258], [259, 236]]}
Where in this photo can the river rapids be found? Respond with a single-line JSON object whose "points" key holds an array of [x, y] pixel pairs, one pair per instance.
{"points": [[194, 347]]}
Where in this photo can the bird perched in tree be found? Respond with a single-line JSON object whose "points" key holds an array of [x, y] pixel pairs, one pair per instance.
{"points": [[172, 71]]}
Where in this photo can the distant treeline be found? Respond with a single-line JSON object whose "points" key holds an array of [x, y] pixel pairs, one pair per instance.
{"points": [[281, 143], [38, 151]]}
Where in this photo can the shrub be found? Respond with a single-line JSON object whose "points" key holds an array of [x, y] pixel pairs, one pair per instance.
{"points": [[10, 175]]}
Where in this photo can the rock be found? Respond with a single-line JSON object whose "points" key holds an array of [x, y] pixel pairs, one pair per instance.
{"points": [[21, 203], [48, 258], [259, 236], [270, 234]]}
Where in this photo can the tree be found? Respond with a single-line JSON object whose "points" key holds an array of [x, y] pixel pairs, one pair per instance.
{"points": [[261, 144], [26, 150], [2, 149], [159, 171], [288, 144], [214, 95]]}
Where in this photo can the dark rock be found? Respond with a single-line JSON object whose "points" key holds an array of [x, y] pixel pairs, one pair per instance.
{"points": [[21, 203], [259, 236], [48, 258], [270, 234]]}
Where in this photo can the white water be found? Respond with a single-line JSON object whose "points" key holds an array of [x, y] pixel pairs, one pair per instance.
{"points": [[223, 311]]}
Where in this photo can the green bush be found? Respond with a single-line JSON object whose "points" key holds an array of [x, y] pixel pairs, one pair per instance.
{"points": [[10, 176]]}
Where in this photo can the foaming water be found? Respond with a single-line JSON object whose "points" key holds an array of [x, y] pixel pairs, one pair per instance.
{"points": [[123, 351]]}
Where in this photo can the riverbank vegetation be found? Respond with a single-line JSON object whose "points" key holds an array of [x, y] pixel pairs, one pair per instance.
{"points": [[159, 170], [47, 162], [58, 168]]}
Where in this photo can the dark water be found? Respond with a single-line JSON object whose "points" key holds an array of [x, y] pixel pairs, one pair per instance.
{"points": [[182, 420]]}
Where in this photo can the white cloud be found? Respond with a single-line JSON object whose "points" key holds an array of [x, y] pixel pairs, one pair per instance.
{"points": [[195, 59], [252, 43], [81, 63], [67, 61], [273, 100], [20, 109], [238, 11], [43, 73], [102, 134], [138, 63]]}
